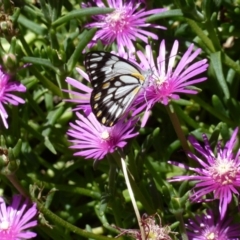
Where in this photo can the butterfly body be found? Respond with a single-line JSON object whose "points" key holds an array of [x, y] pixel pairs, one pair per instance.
{"points": [[116, 82]]}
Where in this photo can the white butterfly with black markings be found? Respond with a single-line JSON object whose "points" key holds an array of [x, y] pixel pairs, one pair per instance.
{"points": [[116, 82]]}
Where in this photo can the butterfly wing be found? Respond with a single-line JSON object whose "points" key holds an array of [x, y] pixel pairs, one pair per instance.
{"points": [[115, 83]]}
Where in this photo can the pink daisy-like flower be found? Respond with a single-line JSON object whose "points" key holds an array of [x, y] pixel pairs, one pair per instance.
{"points": [[82, 96], [93, 140], [205, 227], [6, 87], [123, 25], [16, 219], [167, 80], [219, 173]]}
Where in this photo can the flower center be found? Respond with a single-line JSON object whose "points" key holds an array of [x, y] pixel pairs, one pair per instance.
{"points": [[105, 135], [162, 87], [159, 82], [117, 20], [4, 225], [223, 171], [211, 233], [211, 236], [6, 232]]}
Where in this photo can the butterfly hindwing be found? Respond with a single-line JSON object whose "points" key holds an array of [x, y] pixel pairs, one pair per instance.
{"points": [[109, 104], [115, 83]]}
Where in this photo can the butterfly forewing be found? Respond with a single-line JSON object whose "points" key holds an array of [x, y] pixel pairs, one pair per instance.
{"points": [[115, 83]]}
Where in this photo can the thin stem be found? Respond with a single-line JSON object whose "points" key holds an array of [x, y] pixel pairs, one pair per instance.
{"points": [[181, 226], [112, 177], [15, 182], [177, 127], [60, 222], [112, 189], [138, 192], [124, 167]]}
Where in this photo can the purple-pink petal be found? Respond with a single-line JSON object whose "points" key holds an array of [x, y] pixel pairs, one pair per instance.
{"points": [[165, 82], [207, 225], [7, 86], [218, 175], [87, 136], [122, 25], [18, 217]]}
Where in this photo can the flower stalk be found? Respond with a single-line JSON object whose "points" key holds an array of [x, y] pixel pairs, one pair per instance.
{"points": [[131, 194], [177, 127]]}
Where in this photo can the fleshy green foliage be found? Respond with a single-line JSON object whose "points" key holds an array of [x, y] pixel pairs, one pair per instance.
{"points": [[51, 35]]}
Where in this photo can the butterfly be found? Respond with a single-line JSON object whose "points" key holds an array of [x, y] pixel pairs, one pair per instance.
{"points": [[116, 82]]}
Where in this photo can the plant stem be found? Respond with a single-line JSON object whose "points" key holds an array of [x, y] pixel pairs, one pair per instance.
{"points": [[181, 226], [124, 168], [15, 182], [60, 222], [177, 127]]}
